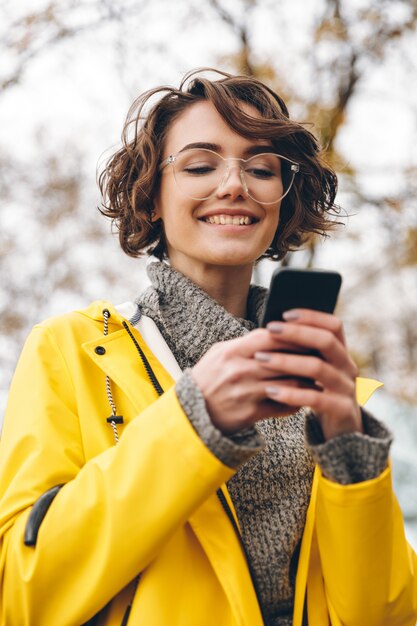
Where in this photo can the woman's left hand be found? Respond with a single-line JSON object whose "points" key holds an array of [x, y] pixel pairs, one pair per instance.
{"points": [[332, 396]]}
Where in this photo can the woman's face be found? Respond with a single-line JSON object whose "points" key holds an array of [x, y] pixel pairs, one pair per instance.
{"points": [[193, 241]]}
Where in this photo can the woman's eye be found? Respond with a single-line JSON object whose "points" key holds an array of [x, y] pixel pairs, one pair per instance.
{"points": [[199, 169], [261, 172]]}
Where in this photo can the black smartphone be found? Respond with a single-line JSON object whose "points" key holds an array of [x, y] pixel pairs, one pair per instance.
{"points": [[293, 288], [301, 289]]}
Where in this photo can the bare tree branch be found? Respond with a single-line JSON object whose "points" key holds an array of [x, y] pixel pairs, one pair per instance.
{"points": [[241, 30], [28, 39]]}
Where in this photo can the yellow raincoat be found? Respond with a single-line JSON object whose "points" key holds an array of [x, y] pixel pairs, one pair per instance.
{"points": [[149, 505]]}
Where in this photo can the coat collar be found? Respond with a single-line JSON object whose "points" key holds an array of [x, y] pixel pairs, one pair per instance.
{"points": [[95, 312], [117, 356]]}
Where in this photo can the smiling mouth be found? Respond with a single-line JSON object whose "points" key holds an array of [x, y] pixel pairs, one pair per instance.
{"points": [[234, 220]]}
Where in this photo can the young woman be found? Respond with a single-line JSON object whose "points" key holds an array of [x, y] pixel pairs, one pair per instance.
{"points": [[156, 468]]}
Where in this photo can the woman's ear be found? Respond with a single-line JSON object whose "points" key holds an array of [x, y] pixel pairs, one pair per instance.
{"points": [[156, 208], [155, 211]]}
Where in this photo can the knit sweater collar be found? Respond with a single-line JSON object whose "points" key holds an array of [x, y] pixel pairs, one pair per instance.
{"points": [[188, 318]]}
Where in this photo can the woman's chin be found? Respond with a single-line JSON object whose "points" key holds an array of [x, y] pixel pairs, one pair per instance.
{"points": [[231, 260], [237, 257]]}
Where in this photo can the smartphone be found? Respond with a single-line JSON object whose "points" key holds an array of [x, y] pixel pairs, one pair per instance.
{"points": [[301, 289]]}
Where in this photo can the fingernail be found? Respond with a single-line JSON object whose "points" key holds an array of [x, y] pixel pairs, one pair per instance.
{"points": [[275, 327], [273, 391], [262, 356], [291, 315]]}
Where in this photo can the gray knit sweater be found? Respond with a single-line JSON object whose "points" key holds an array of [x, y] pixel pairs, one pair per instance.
{"points": [[275, 460]]}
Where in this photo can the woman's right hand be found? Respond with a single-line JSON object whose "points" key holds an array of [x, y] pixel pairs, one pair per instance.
{"points": [[233, 382]]}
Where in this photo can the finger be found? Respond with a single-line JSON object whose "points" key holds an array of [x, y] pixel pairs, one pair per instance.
{"points": [[318, 319], [246, 372], [336, 414], [270, 408], [307, 367], [243, 405], [323, 341], [260, 339], [340, 407]]}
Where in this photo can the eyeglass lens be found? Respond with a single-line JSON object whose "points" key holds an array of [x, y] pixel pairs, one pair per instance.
{"points": [[199, 173]]}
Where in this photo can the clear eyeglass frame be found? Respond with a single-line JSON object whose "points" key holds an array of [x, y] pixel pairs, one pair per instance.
{"points": [[294, 169]]}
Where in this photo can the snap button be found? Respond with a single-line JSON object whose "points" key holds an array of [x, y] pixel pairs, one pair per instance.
{"points": [[100, 350]]}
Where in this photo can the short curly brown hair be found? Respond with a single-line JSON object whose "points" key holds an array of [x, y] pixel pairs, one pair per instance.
{"points": [[130, 178]]}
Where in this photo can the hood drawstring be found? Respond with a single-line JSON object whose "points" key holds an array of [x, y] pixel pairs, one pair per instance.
{"points": [[114, 419]]}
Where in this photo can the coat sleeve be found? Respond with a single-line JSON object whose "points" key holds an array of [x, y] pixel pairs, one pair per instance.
{"points": [[369, 569], [113, 513]]}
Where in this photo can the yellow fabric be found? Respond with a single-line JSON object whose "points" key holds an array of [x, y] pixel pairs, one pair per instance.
{"points": [[365, 387], [149, 505], [348, 571]]}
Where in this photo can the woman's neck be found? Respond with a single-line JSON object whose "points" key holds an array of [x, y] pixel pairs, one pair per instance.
{"points": [[229, 286]]}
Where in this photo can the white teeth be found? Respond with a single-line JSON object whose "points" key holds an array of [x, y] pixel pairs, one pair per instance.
{"points": [[236, 220]]}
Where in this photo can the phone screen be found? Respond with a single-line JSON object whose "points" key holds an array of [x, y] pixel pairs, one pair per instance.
{"points": [[301, 289]]}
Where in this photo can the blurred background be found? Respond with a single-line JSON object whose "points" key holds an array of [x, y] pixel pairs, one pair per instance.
{"points": [[69, 71]]}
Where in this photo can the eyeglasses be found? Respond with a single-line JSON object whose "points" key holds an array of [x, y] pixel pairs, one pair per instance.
{"points": [[201, 173]]}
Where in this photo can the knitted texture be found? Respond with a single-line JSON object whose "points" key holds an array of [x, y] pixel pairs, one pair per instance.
{"points": [[189, 320], [353, 457], [271, 488]]}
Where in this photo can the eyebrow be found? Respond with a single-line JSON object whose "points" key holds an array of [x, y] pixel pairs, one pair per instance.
{"points": [[251, 150]]}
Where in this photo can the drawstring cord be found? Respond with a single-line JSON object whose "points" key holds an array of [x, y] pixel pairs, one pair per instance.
{"points": [[114, 419]]}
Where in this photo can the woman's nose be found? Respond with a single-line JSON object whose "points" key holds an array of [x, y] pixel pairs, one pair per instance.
{"points": [[233, 184]]}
